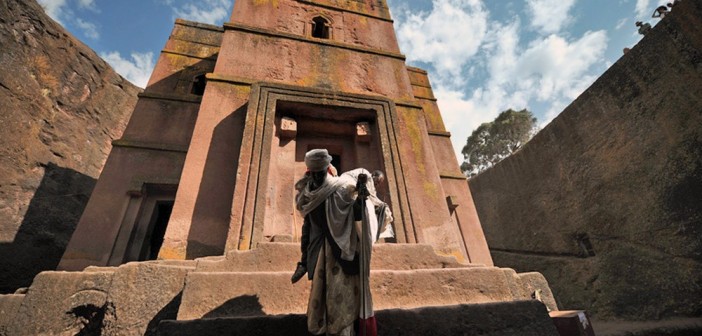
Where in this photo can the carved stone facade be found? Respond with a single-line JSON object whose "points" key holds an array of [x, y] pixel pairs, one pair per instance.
{"points": [[204, 183], [197, 176]]}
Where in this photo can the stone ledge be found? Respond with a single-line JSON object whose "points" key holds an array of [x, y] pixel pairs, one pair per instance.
{"points": [[282, 257], [317, 4], [215, 294], [215, 77], [271, 33], [450, 176], [150, 145], [427, 98], [404, 103], [417, 70], [179, 53], [171, 97], [440, 133], [199, 25]]}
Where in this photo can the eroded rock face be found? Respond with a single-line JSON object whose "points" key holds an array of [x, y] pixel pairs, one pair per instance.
{"points": [[606, 201], [60, 107]]}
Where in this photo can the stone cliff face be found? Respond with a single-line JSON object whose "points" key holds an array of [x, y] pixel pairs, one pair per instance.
{"points": [[606, 201], [60, 107]]}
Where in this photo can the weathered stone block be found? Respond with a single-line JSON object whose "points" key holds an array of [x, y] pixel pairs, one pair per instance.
{"points": [[288, 128], [9, 306], [363, 132], [63, 303], [143, 294], [209, 295]]}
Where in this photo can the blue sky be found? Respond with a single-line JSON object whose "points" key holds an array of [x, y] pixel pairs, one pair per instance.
{"points": [[483, 56]]}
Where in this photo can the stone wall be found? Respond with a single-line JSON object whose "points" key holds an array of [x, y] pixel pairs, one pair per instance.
{"points": [[60, 107], [606, 201]]}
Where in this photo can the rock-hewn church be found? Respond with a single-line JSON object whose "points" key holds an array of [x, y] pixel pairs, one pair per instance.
{"points": [[193, 216]]}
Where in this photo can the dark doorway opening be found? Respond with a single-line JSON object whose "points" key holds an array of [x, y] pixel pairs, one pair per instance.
{"points": [[159, 222], [336, 162]]}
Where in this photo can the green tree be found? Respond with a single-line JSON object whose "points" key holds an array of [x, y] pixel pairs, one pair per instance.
{"points": [[493, 141]]}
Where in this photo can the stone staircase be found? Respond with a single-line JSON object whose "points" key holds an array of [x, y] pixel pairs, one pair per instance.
{"points": [[251, 288], [516, 318]]}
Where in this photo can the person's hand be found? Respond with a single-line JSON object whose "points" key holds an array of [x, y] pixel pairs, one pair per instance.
{"points": [[358, 209], [299, 272]]}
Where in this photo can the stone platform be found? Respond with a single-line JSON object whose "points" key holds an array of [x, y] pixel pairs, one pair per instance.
{"points": [[134, 298], [523, 318], [257, 282], [209, 294]]}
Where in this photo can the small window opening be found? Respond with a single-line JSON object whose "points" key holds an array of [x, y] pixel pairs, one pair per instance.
{"points": [[320, 28], [199, 84]]}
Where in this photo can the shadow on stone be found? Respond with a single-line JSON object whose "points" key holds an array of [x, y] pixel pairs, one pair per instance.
{"points": [[169, 312], [91, 317], [51, 218], [208, 232], [242, 306], [523, 318]]}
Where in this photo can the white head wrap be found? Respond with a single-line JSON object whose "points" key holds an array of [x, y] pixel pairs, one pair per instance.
{"points": [[317, 159]]}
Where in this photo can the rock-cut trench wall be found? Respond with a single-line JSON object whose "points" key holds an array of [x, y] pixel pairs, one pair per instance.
{"points": [[606, 201], [60, 107]]}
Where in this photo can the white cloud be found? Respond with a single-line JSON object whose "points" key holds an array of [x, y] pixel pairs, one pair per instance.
{"points": [[549, 16], [137, 70], [54, 8], [89, 29], [642, 8], [505, 71], [558, 65], [621, 23], [205, 11], [88, 4], [61, 12], [447, 37]]}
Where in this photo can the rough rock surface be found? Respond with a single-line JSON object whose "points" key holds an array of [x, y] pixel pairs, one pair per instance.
{"points": [[60, 107], [606, 201]]}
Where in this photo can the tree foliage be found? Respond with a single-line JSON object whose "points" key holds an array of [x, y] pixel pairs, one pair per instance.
{"points": [[493, 141]]}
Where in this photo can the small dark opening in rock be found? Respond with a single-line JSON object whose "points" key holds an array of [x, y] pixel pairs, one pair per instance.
{"points": [[199, 84], [583, 240]]}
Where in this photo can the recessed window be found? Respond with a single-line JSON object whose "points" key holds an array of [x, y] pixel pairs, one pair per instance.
{"points": [[320, 28], [199, 83]]}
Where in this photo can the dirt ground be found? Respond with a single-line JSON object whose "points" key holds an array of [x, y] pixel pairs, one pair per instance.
{"points": [[675, 327]]}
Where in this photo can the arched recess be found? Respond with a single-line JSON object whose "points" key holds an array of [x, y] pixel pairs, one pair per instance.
{"points": [[321, 27]]}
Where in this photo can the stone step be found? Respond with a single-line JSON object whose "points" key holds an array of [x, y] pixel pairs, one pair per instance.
{"points": [[272, 257], [168, 263], [219, 294], [523, 318], [9, 307]]}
